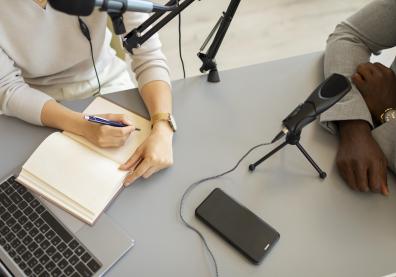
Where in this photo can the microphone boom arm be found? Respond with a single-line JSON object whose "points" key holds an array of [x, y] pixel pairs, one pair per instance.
{"points": [[208, 58], [135, 38]]}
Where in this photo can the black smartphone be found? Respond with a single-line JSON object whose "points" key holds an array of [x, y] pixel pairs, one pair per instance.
{"points": [[244, 230]]}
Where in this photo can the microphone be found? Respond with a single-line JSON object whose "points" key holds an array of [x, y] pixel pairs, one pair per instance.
{"points": [[86, 7], [322, 98]]}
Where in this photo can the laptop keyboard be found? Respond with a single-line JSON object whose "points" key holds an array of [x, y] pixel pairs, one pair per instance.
{"points": [[35, 239]]}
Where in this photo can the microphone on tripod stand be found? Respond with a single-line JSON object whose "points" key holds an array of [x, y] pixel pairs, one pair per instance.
{"points": [[322, 98], [329, 92]]}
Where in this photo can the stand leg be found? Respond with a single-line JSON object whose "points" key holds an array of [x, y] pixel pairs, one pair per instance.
{"points": [[252, 167], [322, 174]]}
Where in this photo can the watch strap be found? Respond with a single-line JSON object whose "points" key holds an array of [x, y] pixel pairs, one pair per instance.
{"points": [[162, 117]]}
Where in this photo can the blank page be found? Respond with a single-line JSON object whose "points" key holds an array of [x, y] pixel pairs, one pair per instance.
{"points": [[38, 186], [123, 153], [76, 171]]}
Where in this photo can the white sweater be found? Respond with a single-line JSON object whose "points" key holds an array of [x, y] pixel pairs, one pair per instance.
{"points": [[43, 47]]}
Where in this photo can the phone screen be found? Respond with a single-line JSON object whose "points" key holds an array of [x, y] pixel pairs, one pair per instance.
{"points": [[248, 233]]}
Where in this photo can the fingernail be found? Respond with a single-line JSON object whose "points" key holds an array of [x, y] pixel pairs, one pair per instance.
{"points": [[385, 190]]}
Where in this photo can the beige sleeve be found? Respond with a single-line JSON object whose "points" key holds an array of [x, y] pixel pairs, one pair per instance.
{"points": [[148, 62], [17, 98]]}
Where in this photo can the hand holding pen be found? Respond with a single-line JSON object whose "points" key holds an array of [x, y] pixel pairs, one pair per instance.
{"points": [[104, 121], [110, 130]]}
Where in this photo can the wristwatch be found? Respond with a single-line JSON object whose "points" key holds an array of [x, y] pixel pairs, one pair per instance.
{"points": [[164, 117], [388, 115]]}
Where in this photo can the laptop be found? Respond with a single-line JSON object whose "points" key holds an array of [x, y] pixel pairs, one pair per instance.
{"points": [[39, 239]]}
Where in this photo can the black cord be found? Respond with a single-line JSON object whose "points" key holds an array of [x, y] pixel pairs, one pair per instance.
{"points": [[180, 45], [194, 185], [87, 34], [93, 62]]}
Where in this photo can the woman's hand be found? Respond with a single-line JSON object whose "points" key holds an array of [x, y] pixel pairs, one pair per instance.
{"points": [[154, 154], [108, 136], [57, 116]]}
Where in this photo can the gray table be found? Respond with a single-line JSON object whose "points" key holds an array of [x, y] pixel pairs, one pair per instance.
{"points": [[326, 229]]}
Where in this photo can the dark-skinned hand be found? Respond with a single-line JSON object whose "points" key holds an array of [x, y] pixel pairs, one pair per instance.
{"points": [[360, 160], [377, 84]]}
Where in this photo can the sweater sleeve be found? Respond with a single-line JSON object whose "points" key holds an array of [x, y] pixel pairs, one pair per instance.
{"points": [[367, 32], [148, 62], [17, 98]]}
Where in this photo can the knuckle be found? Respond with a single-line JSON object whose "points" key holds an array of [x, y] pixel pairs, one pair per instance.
{"points": [[362, 66], [151, 158], [162, 161], [126, 131], [379, 76], [355, 162]]}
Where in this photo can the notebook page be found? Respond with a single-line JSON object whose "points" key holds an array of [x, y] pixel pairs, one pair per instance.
{"points": [[43, 189], [76, 171], [123, 153]]}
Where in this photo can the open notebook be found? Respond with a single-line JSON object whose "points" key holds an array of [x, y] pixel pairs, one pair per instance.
{"points": [[77, 175]]}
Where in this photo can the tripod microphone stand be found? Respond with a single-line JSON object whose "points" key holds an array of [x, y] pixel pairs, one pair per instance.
{"points": [[292, 139], [329, 92]]}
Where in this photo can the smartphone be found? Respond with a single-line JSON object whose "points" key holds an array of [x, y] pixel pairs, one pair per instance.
{"points": [[244, 230]]}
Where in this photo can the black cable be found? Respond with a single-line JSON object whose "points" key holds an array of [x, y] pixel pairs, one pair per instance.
{"points": [[93, 62], [180, 45], [194, 185], [87, 34]]}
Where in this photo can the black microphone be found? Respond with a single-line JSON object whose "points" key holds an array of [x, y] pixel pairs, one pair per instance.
{"points": [[324, 96], [86, 7]]}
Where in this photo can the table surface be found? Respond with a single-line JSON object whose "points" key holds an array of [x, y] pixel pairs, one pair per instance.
{"points": [[326, 229]]}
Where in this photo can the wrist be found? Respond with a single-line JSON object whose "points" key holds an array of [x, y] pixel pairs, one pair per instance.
{"points": [[163, 128], [79, 125], [57, 116], [348, 128]]}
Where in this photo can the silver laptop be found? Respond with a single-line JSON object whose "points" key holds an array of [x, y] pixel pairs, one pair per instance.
{"points": [[39, 239]]}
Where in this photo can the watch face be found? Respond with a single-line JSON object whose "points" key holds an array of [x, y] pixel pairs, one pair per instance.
{"points": [[172, 123], [390, 115]]}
